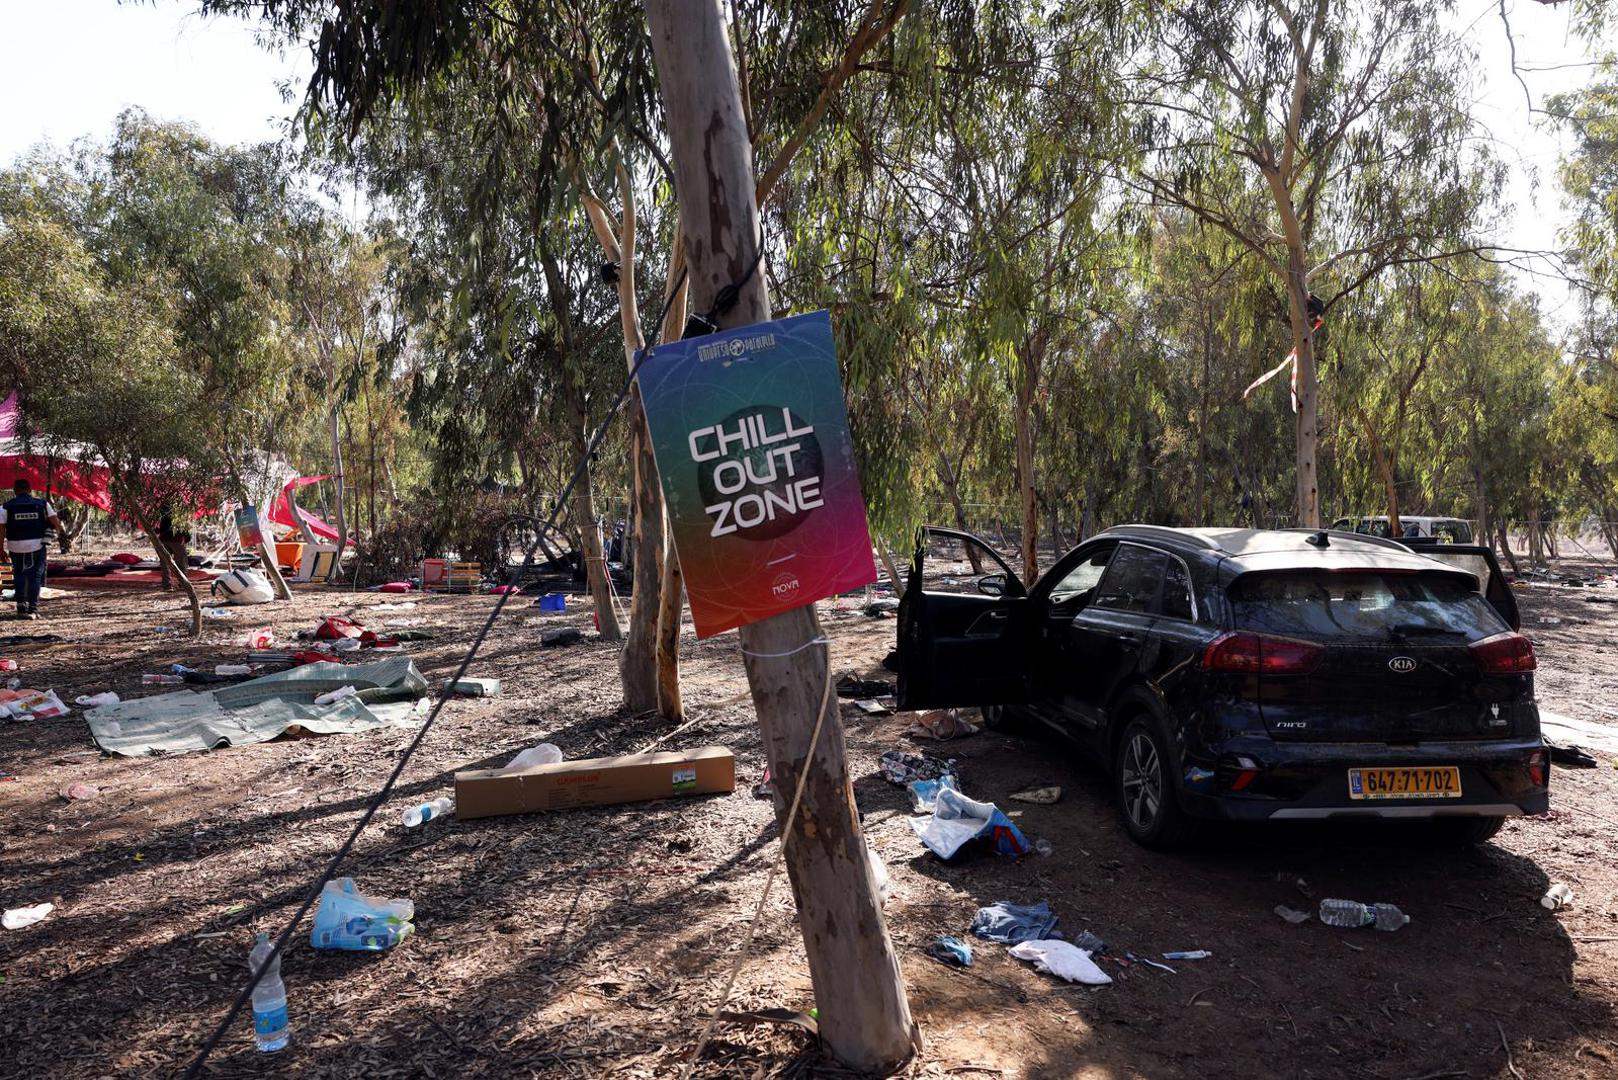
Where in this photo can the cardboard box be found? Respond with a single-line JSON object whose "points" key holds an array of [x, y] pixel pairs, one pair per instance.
{"points": [[594, 782]]}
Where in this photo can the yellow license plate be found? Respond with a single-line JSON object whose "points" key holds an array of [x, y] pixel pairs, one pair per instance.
{"points": [[1425, 782]]}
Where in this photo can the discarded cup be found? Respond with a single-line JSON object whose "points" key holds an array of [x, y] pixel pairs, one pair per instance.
{"points": [[418, 815], [1044, 846], [1557, 897]]}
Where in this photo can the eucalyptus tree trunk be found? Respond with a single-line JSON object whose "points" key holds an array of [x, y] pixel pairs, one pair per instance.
{"points": [[637, 667], [596, 572], [864, 1014], [671, 594], [1031, 355], [341, 523], [266, 552]]}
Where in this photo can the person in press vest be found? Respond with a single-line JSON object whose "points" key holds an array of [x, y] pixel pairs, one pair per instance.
{"points": [[23, 522]]}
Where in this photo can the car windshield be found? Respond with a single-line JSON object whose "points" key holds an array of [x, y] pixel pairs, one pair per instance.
{"points": [[1365, 605]]}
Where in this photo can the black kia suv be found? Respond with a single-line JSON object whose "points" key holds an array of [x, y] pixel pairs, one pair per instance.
{"points": [[1244, 674]]}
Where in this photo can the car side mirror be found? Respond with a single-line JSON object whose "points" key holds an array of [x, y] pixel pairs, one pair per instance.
{"points": [[992, 585]]}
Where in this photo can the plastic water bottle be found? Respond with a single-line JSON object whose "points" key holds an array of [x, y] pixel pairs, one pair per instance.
{"points": [[270, 1028], [162, 680], [1352, 913], [416, 815]]}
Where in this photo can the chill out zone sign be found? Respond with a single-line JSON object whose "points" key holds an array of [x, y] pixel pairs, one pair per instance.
{"points": [[757, 465], [760, 469]]}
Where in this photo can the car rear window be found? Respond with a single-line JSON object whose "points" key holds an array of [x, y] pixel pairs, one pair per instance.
{"points": [[1365, 605]]}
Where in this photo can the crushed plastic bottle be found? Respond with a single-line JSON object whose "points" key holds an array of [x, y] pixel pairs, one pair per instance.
{"points": [[270, 1029], [162, 680], [232, 669], [1352, 913], [418, 815]]}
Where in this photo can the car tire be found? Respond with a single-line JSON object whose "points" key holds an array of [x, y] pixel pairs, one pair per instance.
{"points": [[1144, 783], [1465, 831]]}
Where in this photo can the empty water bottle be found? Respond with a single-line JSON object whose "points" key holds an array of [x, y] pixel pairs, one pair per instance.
{"points": [[416, 815], [1352, 913], [270, 1029], [162, 680]]}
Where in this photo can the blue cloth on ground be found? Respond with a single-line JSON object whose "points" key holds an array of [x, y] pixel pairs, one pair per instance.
{"points": [[1012, 924], [950, 950]]}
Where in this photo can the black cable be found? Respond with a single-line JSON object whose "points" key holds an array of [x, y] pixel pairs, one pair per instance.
{"points": [[381, 796], [725, 299]]}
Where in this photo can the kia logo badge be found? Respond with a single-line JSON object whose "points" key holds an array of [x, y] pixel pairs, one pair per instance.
{"points": [[1402, 664]]}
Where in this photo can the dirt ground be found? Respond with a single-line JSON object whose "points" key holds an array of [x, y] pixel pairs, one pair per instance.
{"points": [[592, 942]]}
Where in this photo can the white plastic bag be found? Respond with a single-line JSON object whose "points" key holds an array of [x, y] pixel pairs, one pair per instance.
{"points": [[543, 754]]}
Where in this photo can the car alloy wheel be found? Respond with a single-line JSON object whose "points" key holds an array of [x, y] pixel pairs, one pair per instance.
{"points": [[1142, 781]]}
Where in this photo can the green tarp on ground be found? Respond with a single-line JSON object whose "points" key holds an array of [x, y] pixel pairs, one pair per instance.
{"points": [[261, 709]]}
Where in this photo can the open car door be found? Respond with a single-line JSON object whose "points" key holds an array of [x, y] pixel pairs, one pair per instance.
{"points": [[1477, 560], [961, 635]]}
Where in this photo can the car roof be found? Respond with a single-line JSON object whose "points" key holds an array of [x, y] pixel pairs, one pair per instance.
{"points": [[1242, 551]]}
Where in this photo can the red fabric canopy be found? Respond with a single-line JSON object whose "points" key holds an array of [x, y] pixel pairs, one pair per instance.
{"points": [[281, 509], [77, 480]]}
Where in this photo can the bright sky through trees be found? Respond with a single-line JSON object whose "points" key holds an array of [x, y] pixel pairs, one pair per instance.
{"points": [[67, 68]]}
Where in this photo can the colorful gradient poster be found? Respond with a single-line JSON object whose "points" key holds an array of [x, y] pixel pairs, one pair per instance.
{"points": [[758, 470]]}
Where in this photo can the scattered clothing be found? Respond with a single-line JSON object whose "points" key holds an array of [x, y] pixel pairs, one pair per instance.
{"points": [[941, 724], [905, 769], [1573, 757], [1090, 943], [951, 951], [1010, 923], [957, 820], [1062, 959]]}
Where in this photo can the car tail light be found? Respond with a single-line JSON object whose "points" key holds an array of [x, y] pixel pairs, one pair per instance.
{"points": [[1235, 773], [1260, 654], [1504, 654], [1536, 767]]}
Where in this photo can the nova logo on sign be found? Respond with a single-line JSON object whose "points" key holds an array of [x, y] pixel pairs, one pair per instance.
{"points": [[757, 465]]}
